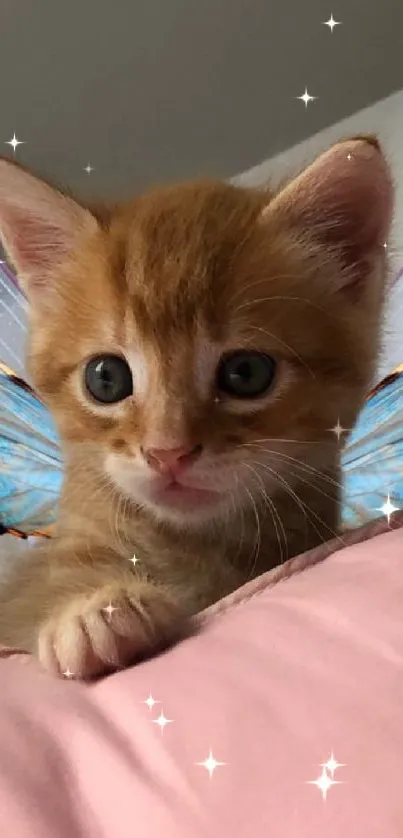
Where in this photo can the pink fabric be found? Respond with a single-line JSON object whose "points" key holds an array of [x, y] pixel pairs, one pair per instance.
{"points": [[303, 663]]}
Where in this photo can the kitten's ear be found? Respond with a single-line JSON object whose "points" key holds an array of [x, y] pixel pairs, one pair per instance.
{"points": [[39, 226], [343, 200]]}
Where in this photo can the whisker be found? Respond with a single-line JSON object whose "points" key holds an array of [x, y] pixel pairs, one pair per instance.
{"points": [[289, 490], [278, 439], [307, 468], [301, 504], [262, 280], [259, 300], [273, 511], [238, 507], [304, 466], [119, 519], [315, 487], [287, 346], [257, 541]]}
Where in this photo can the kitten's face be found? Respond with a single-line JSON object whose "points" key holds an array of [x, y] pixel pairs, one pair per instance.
{"points": [[199, 343], [199, 351]]}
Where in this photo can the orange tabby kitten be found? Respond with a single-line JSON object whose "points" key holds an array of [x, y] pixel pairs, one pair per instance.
{"points": [[195, 346]]}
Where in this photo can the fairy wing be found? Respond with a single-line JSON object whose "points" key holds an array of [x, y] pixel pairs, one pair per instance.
{"points": [[30, 458], [13, 320], [372, 463]]}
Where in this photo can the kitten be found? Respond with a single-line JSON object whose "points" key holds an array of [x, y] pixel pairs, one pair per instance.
{"points": [[195, 347]]}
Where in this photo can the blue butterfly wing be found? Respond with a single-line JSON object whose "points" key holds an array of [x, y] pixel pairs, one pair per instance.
{"points": [[30, 458], [372, 462]]}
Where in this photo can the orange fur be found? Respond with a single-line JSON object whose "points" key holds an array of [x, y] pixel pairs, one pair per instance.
{"points": [[171, 281]]}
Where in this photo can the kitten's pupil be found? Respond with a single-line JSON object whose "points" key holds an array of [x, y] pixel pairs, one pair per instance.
{"points": [[245, 375], [244, 371], [108, 379]]}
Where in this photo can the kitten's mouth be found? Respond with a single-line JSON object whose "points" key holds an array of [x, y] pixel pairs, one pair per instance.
{"points": [[174, 493]]}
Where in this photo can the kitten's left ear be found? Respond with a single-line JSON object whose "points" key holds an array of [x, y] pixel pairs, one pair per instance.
{"points": [[344, 200], [39, 226]]}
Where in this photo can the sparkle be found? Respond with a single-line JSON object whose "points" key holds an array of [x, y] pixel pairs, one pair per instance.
{"points": [[385, 244], [332, 764], [14, 142], [349, 157], [162, 721], [388, 509], [89, 168], [306, 98], [324, 783], [68, 674], [331, 23], [150, 701], [338, 430], [134, 559], [110, 609], [210, 764]]}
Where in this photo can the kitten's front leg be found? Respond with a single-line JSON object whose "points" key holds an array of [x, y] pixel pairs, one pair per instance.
{"points": [[86, 616], [106, 629]]}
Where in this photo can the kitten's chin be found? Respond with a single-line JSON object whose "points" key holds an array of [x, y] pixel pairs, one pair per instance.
{"points": [[176, 502], [190, 501], [184, 505]]}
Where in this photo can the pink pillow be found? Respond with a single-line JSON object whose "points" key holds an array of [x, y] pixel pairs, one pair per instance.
{"points": [[302, 667]]}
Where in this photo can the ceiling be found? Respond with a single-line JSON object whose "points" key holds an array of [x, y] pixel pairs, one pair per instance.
{"points": [[153, 90]]}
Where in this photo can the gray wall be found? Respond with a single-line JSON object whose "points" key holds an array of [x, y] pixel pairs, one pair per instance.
{"points": [[151, 90]]}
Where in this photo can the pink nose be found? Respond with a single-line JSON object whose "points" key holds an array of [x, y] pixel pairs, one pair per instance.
{"points": [[171, 459]]}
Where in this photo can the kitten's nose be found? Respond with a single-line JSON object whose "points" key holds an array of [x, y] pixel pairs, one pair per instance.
{"points": [[171, 459]]}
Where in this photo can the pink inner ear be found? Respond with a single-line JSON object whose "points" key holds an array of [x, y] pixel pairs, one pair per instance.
{"points": [[34, 246], [344, 199], [353, 192]]}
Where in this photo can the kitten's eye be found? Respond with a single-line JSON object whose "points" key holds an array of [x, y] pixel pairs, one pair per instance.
{"points": [[245, 375], [108, 379]]}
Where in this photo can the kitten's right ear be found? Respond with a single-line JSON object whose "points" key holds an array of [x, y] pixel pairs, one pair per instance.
{"points": [[39, 226], [344, 201]]}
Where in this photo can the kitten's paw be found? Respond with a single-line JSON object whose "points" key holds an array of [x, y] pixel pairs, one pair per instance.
{"points": [[108, 630]]}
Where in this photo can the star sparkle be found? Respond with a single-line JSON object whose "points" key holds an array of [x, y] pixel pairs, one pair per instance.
{"points": [[210, 764], [162, 721], [388, 508], [68, 674], [110, 609], [150, 701], [306, 98], [88, 168], [134, 560], [14, 142], [324, 782], [331, 23], [332, 764], [338, 430]]}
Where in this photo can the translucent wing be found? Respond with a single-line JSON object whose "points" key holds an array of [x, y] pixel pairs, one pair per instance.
{"points": [[373, 459], [13, 320], [30, 459]]}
